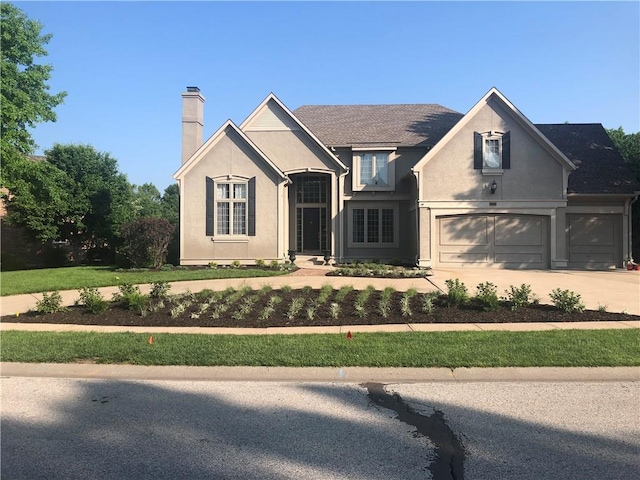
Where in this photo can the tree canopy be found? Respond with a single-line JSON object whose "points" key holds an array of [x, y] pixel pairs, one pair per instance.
{"points": [[26, 100], [629, 146]]}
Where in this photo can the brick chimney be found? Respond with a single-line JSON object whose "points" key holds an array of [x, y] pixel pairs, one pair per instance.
{"points": [[192, 121]]}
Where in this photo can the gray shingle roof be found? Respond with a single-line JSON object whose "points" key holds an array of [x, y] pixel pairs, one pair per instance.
{"points": [[362, 125], [601, 168]]}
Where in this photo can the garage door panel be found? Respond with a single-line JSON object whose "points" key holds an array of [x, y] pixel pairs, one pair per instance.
{"points": [[520, 258], [464, 231], [593, 241], [516, 241], [591, 230], [592, 257], [463, 257], [519, 231]]}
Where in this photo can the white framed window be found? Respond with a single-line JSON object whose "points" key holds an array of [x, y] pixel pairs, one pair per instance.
{"points": [[492, 152], [491, 155], [373, 226], [373, 170], [231, 208]]}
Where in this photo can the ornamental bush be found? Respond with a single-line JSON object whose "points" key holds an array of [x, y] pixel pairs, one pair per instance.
{"points": [[146, 240]]}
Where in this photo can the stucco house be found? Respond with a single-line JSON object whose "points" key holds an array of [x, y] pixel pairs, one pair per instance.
{"points": [[420, 184]]}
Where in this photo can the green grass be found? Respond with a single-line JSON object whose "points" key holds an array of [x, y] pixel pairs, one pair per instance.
{"points": [[71, 278], [572, 348]]}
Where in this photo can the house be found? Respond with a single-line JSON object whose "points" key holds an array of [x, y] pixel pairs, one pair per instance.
{"points": [[420, 184]]}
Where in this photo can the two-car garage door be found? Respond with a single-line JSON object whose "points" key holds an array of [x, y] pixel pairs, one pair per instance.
{"points": [[509, 241]]}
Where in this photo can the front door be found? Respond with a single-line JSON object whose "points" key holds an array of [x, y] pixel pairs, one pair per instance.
{"points": [[311, 229]]}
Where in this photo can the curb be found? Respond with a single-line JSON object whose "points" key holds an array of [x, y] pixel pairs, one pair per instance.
{"points": [[321, 374]]}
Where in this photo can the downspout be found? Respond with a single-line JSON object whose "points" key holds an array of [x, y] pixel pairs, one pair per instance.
{"points": [[416, 174], [635, 199]]}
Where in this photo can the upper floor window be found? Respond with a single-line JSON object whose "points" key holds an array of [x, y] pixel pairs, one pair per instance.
{"points": [[373, 170], [492, 152]]}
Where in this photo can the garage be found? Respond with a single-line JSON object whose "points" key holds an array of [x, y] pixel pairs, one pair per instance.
{"points": [[593, 241], [507, 241]]}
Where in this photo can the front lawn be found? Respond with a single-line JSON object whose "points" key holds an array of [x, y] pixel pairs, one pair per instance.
{"points": [[572, 348], [70, 278]]}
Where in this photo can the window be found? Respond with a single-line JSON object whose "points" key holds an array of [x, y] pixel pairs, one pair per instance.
{"points": [[491, 158], [492, 152], [373, 171], [373, 226], [230, 207]]}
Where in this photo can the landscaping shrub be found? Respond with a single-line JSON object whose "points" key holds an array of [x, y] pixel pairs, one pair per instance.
{"points": [[519, 296], [261, 263], [50, 303], [160, 289], [487, 295], [146, 240], [457, 294], [93, 300], [567, 301]]}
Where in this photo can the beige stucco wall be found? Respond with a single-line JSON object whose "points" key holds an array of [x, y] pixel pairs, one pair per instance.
{"points": [[534, 173], [291, 150], [230, 156]]}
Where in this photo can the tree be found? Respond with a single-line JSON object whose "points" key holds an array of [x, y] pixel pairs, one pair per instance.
{"points": [[41, 200], [170, 204], [629, 146], [171, 211], [147, 201], [105, 193], [26, 100], [145, 241]]}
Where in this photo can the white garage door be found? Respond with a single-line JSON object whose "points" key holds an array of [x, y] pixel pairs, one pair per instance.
{"points": [[593, 241], [509, 241]]}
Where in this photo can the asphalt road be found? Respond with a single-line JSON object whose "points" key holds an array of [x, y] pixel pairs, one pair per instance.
{"points": [[88, 428]]}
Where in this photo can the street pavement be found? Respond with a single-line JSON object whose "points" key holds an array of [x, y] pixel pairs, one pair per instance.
{"points": [[61, 428]]}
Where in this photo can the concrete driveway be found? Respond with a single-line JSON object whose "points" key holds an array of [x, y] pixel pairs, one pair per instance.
{"points": [[619, 290]]}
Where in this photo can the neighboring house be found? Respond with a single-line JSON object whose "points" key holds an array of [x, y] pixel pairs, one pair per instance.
{"points": [[420, 184]]}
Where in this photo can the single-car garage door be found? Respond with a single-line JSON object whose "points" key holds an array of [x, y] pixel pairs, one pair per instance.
{"points": [[509, 241], [593, 241]]}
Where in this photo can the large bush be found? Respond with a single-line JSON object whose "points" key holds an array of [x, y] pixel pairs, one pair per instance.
{"points": [[145, 241]]}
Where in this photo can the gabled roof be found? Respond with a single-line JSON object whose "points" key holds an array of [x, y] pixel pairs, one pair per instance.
{"points": [[303, 127], [517, 115], [215, 138], [600, 167], [365, 125]]}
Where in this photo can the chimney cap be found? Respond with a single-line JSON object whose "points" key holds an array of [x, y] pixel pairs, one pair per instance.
{"points": [[193, 89]]}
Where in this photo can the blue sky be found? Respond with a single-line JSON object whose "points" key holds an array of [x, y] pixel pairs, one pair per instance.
{"points": [[125, 64]]}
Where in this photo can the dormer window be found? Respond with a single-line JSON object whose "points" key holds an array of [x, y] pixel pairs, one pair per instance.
{"points": [[492, 152], [373, 170]]}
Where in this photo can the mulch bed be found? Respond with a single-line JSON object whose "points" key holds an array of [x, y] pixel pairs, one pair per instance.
{"points": [[472, 313]]}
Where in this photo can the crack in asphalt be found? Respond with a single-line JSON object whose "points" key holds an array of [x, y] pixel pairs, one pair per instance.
{"points": [[449, 463]]}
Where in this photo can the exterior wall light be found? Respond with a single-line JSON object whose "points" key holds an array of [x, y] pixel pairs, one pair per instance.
{"points": [[493, 187]]}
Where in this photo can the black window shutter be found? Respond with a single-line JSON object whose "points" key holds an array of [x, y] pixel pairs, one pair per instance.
{"points": [[506, 150], [477, 151], [251, 198], [209, 203]]}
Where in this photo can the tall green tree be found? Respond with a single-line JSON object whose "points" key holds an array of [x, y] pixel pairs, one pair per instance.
{"points": [[98, 185], [147, 201], [629, 146], [24, 90]]}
